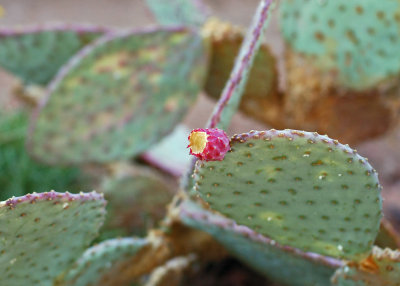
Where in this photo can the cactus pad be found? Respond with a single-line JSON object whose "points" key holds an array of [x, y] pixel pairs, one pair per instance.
{"points": [[357, 39], [119, 96], [281, 263], [35, 54], [34, 228], [298, 188], [105, 263], [178, 12], [381, 268]]}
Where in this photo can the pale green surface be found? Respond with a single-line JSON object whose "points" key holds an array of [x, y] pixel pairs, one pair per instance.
{"points": [[359, 38], [121, 97], [36, 57], [172, 153], [300, 190], [38, 241]]}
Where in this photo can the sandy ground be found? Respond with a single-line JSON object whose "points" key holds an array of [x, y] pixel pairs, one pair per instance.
{"points": [[383, 153]]}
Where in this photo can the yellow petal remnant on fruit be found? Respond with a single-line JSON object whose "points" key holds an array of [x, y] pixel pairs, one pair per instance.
{"points": [[197, 142]]}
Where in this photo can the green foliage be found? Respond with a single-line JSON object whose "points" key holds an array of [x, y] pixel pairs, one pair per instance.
{"points": [[19, 174], [42, 234], [359, 39], [298, 188], [119, 97], [36, 54]]}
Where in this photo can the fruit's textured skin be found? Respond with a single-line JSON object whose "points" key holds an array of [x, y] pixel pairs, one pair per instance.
{"points": [[359, 40], [36, 53], [104, 264], [261, 99], [381, 268], [283, 264], [119, 96], [298, 188], [217, 144], [42, 234]]}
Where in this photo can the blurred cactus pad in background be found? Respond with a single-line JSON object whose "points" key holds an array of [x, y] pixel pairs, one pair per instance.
{"points": [[97, 183]]}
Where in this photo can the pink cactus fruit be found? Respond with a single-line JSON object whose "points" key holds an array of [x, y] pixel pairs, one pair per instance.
{"points": [[208, 144]]}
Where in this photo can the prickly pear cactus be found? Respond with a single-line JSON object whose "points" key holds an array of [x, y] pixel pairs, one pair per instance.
{"points": [[298, 188], [358, 39], [284, 264], [105, 263], [381, 268], [35, 54], [342, 66], [42, 234], [178, 12], [119, 96], [261, 97]]}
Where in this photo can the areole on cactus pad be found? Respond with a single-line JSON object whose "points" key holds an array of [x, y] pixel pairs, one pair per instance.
{"points": [[42, 234], [298, 188]]}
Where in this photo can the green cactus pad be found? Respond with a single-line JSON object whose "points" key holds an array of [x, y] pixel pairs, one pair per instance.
{"points": [[359, 39], [178, 12], [119, 96], [298, 188], [171, 154], [42, 234], [35, 54], [137, 201], [284, 264], [382, 268], [105, 263]]}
